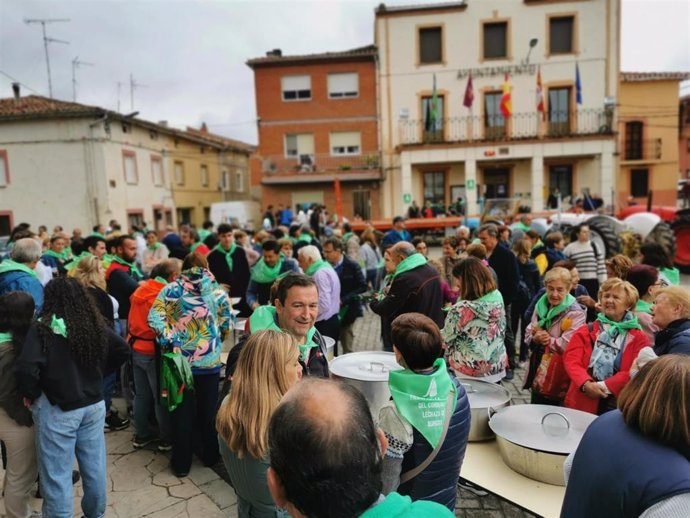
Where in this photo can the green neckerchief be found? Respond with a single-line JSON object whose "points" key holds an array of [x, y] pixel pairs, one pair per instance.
{"points": [[53, 253], [203, 234], [5, 337], [421, 399], [672, 274], [107, 260], [132, 266], [264, 274], [228, 253], [305, 236], [264, 317], [621, 327], [539, 243], [195, 246], [347, 235], [409, 263], [547, 314], [644, 306], [492, 296], [380, 263], [521, 226], [98, 234], [161, 280], [8, 265], [57, 326], [76, 259], [155, 246], [316, 266], [66, 253]]}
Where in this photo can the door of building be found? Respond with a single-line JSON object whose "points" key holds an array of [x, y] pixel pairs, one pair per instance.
{"points": [[496, 182], [561, 178], [361, 204]]}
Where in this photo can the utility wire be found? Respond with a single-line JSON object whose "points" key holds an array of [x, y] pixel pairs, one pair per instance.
{"points": [[18, 81]]}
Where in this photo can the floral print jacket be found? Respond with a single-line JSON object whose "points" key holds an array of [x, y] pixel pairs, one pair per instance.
{"points": [[474, 333], [194, 314]]}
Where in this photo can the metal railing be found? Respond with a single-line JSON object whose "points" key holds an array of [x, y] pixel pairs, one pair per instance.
{"points": [[520, 126], [319, 164], [648, 149]]}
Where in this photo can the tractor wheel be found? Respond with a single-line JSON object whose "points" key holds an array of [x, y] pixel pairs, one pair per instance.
{"points": [[662, 234], [604, 233], [681, 228]]}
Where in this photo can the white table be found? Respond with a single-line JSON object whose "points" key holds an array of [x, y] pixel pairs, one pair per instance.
{"points": [[484, 467]]}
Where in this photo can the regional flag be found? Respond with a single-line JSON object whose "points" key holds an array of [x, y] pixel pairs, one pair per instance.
{"points": [[578, 84], [469, 94], [506, 99], [540, 94]]}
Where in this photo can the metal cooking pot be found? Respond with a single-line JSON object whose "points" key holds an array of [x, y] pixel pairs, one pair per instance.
{"points": [[534, 440], [483, 395], [367, 371]]}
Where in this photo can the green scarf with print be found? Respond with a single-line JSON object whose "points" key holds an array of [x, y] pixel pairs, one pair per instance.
{"points": [[643, 306], [316, 266], [620, 327], [133, 267], [264, 274], [8, 265], [421, 399], [264, 317], [547, 314], [409, 263]]}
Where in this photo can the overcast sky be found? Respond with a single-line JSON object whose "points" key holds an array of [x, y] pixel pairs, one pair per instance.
{"points": [[189, 55]]}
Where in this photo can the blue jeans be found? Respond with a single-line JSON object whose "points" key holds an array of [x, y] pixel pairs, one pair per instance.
{"points": [[146, 398], [59, 436]]}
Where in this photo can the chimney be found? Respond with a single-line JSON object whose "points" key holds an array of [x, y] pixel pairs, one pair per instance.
{"points": [[275, 52], [17, 95], [163, 123]]}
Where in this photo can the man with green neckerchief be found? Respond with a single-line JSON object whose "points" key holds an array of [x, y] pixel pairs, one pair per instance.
{"points": [[429, 411], [295, 311], [328, 284], [414, 287], [54, 257], [264, 273]]}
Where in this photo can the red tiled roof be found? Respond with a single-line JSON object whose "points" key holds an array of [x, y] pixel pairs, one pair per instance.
{"points": [[220, 139], [35, 106], [631, 77], [368, 51]]}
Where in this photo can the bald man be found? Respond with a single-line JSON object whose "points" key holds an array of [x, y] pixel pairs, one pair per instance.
{"points": [[326, 457], [415, 288]]}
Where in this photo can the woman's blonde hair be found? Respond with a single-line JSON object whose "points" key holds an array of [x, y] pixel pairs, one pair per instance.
{"points": [[285, 243], [522, 248], [678, 297], [259, 382], [558, 274], [620, 264], [657, 401], [614, 283], [88, 272]]}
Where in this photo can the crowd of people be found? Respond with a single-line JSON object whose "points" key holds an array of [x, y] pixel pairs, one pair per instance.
{"points": [[82, 315]]}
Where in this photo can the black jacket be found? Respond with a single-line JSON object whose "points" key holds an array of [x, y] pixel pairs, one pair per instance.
{"points": [[675, 339], [505, 265], [237, 279], [415, 291], [10, 399], [352, 284], [46, 365]]}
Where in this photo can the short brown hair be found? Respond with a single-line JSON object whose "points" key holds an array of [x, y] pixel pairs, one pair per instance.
{"points": [[476, 250], [655, 402], [620, 264], [451, 240], [193, 259], [476, 280], [552, 239], [418, 339]]}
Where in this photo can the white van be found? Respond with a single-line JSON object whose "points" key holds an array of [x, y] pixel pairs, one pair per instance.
{"points": [[244, 214]]}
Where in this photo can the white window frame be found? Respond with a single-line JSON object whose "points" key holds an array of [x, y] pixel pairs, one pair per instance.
{"points": [[179, 173], [203, 174], [338, 90], [346, 150], [128, 155], [294, 84], [225, 180], [304, 149], [157, 175], [4, 169], [239, 181]]}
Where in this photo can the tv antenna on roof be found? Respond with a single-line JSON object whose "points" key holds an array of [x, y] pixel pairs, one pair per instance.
{"points": [[132, 86], [47, 40], [76, 63]]}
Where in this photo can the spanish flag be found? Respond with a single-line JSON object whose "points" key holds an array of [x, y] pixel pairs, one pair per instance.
{"points": [[540, 95], [506, 99]]}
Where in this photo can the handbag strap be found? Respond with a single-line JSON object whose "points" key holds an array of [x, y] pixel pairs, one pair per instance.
{"points": [[412, 473]]}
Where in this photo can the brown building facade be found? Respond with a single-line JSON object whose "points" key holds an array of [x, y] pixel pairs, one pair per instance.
{"points": [[684, 137], [318, 131]]}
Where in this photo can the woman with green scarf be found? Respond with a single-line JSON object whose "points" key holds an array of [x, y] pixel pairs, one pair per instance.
{"points": [[599, 356], [647, 282], [556, 317]]}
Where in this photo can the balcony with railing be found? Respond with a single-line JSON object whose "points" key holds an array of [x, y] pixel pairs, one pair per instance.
{"points": [[493, 128], [643, 150], [308, 168]]}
